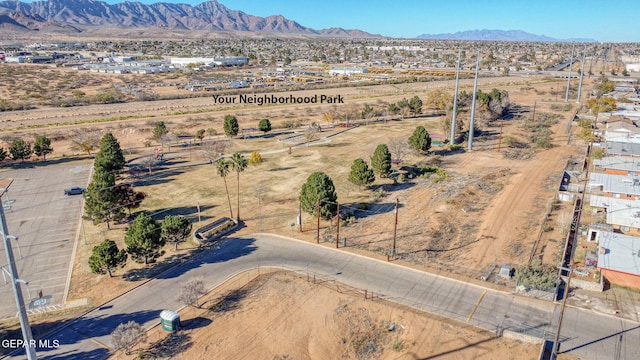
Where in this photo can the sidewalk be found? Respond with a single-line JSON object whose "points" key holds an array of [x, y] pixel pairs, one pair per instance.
{"points": [[617, 302]]}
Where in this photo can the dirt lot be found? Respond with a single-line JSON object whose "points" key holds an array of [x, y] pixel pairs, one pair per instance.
{"points": [[284, 316], [489, 208]]}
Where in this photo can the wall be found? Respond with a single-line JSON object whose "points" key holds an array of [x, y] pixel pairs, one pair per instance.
{"points": [[622, 279]]}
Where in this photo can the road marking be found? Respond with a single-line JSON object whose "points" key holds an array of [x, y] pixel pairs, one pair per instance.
{"points": [[49, 279], [477, 304]]}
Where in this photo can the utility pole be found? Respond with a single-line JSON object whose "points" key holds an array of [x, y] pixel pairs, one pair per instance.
{"points": [[533, 116], [395, 228], [27, 336], [581, 76], [455, 101], [300, 216], [473, 103], [338, 228], [500, 137], [318, 231], [566, 95], [556, 344]]}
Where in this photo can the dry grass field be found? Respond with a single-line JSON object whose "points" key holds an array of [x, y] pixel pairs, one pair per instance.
{"points": [[489, 208]]}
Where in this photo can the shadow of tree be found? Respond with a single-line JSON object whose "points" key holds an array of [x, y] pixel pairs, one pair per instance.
{"points": [[167, 268], [229, 301], [27, 164], [169, 347]]}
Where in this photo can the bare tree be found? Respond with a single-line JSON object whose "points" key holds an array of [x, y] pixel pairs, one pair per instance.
{"points": [[310, 132], [213, 149], [85, 140], [127, 335], [399, 148], [192, 290], [149, 162]]}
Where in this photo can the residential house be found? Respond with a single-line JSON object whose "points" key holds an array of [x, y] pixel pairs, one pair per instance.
{"points": [[622, 215], [622, 131], [615, 186], [622, 149], [618, 165], [619, 259]]}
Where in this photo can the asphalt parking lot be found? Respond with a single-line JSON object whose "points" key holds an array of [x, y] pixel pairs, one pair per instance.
{"points": [[46, 223]]}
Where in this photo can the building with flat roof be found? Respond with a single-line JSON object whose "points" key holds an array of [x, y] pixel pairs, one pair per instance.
{"points": [[622, 149], [619, 259], [347, 71], [211, 61], [618, 165], [615, 186], [623, 215]]}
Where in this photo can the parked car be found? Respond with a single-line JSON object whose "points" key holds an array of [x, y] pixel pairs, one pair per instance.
{"points": [[74, 191]]}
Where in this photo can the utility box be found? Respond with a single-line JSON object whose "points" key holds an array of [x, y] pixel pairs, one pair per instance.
{"points": [[170, 321]]}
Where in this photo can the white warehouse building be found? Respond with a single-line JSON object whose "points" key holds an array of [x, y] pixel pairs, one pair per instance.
{"points": [[633, 67], [347, 71], [210, 61]]}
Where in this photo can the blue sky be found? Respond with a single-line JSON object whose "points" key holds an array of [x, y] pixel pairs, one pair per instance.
{"points": [[614, 21]]}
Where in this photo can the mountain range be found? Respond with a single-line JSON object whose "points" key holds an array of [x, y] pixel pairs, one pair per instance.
{"points": [[137, 19], [80, 15], [495, 35]]}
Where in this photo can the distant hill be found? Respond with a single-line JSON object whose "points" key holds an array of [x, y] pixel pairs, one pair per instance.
{"points": [[496, 35], [76, 15]]}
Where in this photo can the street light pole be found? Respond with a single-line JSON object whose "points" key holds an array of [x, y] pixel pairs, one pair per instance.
{"points": [[27, 336]]}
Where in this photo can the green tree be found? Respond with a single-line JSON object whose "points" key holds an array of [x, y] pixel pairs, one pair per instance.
{"points": [[200, 135], [105, 257], [109, 158], [604, 86], [101, 200], [159, 130], [264, 125], [538, 276], [175, 229], [3, 154], [393, 109], [319, 186], [143, 239], [231, 126], [42, 147], [360, 173], [381, 161], [222, 168], [238, 164], [420, 140], [416, 105], [404, 103], [20, 149]]}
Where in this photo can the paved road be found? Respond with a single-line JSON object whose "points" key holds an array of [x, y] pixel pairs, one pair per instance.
{"points": [[45, 222], [587, 335]]}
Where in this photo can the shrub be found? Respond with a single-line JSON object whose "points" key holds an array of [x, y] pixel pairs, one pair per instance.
{"points": [[255, 158]]}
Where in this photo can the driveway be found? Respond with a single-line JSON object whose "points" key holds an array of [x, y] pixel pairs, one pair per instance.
{"points": [[587, 335]]}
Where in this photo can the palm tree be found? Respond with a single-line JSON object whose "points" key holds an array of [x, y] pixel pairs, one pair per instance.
{"points": [[238, 163], [222, 168]]}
